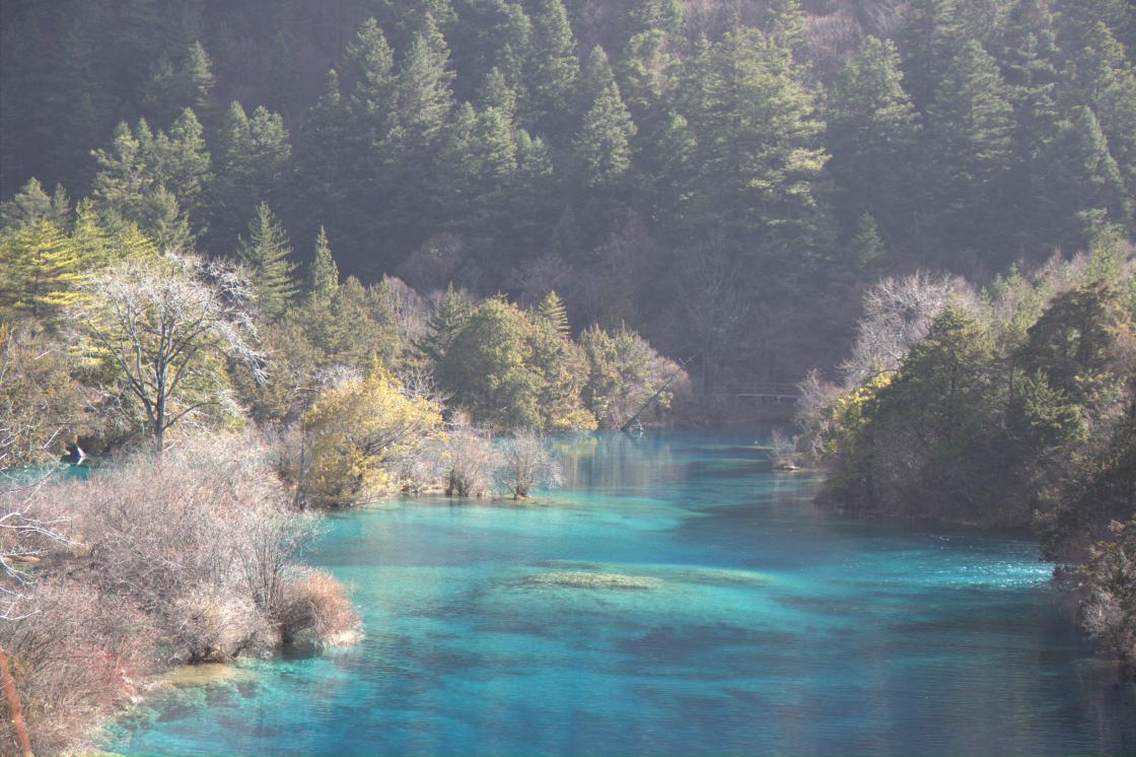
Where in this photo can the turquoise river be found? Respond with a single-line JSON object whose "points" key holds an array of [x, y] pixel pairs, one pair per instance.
{"points": [[674, 597]]}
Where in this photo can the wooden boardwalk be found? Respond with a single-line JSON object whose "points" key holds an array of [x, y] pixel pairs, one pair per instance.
{"points": [[771, 393]]}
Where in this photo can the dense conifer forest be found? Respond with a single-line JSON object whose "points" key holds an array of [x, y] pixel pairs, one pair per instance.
{"points": [[721, 176]]}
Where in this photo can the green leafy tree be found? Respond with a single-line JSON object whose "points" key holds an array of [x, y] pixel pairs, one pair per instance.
{"points": [[487, 367], [267, 254]]}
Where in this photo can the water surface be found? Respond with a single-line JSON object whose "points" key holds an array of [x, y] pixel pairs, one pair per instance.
{"points": [[675, 598]]}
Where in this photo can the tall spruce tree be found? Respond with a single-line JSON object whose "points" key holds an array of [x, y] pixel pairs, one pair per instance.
{"points": [[1092, 190], [873, 132], [267, 254], [969, 130], [323, 275], [553, 71], [928, 40], [553, 310], [603, 146]]}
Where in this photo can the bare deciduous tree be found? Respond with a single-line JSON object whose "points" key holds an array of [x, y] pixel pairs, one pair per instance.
{"points": [[469, 460], [527, 462], [897, 314], [163, 326]]}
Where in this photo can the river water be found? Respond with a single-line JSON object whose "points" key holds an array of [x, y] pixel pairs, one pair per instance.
{"points": [[675, 597]]}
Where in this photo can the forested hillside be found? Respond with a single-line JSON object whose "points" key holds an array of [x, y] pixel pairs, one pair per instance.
{"points": [[722, 176]]}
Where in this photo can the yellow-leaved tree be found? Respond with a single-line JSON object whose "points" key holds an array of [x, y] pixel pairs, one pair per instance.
{"points": [[357, 434]]}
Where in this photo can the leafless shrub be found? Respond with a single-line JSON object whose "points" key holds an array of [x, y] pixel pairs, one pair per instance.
{"points": [[316, 610], [1108, 581], [784, 450], [817, 396], [203, 540], [436, 263], [31, 527], [75, 656], [469, 461], [208, 623], [527, 462], [40, 403], [408, 309], [187, 558]]}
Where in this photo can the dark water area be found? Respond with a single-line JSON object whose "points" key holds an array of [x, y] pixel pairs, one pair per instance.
{"points": [[676, 597]]}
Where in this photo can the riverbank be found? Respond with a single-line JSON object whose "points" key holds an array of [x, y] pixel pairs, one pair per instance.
{"points": [[189, 559], [757, 624]]}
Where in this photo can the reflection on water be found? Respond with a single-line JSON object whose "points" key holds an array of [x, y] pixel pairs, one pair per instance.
{"points": [[678, 598]]}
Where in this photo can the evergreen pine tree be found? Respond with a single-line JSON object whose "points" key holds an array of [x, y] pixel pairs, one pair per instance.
{"points": [[423, 94], [665, 16], [165, 223], [181, 163], [873, 133], [1103, 78], [969, 130], [928, 40], [497, 92], [648, 71], [1092, 189], [603, 146], [758, 182], [784, 23], [449, 316], [597, 76], [267, 253], [197, 79], [28, 206], [371, 63], [867, 246], [40, 270], [553, 310], [92, 242], [553, 70], [323, 276]]}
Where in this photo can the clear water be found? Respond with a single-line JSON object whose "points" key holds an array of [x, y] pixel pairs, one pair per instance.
{"points": [[767, 627]]}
